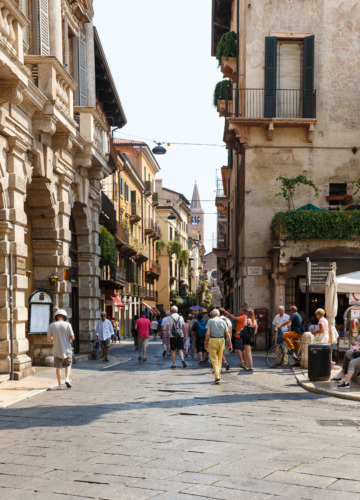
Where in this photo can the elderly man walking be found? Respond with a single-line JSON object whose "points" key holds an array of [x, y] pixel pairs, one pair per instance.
{"points": [[104, 331], [216, 329], [175, 328], [61, 332]]}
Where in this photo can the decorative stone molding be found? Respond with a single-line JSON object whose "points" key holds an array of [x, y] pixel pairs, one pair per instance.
{"points": [[45, 123], [11, 91], [228, 68], [63, 141]]}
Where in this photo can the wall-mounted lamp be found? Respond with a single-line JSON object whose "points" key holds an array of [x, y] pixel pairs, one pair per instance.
{"points": [[53, 280], [171, 217], [28, 273]]}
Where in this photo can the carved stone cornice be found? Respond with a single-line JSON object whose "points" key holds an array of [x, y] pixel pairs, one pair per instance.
{"points": [[11, 91], [44, 123]]}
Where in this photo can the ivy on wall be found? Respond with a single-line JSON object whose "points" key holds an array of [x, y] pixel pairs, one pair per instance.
{"points": [[108, 247], [307, 224]]}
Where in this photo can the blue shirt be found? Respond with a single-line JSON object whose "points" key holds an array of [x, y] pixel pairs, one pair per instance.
{"points": [[296, 323]]}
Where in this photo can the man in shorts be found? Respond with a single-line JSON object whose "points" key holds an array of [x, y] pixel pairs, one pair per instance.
{"points": [[61, 333], [143, 326], [175, 329], [104, 332]]}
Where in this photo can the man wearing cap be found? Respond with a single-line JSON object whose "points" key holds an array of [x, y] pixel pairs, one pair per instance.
{"points": [[61, 333], [104, 331], [143, 326]]}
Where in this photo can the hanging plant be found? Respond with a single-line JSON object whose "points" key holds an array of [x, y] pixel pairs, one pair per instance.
{"points": [[174, 248], [227, 46], [108, 247], [223, 91], [159, 246], [192, 301], [126, 224], [184, 258]]}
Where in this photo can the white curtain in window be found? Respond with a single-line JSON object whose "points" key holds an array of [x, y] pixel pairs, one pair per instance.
{"points": [[289, 80]]}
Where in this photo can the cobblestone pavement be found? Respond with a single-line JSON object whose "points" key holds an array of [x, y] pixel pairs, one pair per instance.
{"points": [[140, 430]]}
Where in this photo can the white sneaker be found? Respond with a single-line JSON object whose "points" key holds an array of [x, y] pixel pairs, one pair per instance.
{"points": [[59, 388], [68, 383]]}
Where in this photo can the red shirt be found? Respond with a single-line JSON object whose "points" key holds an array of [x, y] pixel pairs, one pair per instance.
{"points": [[240, 324], [143, 327]]}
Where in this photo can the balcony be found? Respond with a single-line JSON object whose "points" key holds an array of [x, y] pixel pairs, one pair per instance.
{"points": [[108, 214], [125, 241], [148, 188], [142, 254], [94, 130], [135, 215], [14, 76], [151, 295], [221, 250], [155, 199], [113, 278], [154, 270], [269, 108], [152, 229], [221, 200]]}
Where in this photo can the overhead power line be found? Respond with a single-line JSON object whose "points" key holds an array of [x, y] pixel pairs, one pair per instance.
{"points": [[172, 142]]}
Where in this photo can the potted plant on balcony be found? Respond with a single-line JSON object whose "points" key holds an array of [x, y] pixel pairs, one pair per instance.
{"points": [[159, 246], [227, 47], [226, 53], [222, 96]]}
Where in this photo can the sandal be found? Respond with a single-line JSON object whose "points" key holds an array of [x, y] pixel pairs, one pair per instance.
{"points": [[139, 358], [144, 359]]}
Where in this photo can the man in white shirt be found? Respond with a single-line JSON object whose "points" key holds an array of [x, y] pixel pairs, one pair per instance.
{"points": [[279, 319], [176, 331], [104, 331], [163, 333], [61, 333]]}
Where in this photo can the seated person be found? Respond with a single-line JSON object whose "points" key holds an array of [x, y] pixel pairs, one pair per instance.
{"points": [[349, 365], [296, 330]]}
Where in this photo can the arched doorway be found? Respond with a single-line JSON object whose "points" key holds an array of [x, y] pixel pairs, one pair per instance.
{"points": [[74, 273]]}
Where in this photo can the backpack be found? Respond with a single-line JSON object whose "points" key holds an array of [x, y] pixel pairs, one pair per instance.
{"points": [[201, 329], [176, 328]]}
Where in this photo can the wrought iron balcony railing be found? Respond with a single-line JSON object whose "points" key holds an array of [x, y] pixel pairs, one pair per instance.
{"points": [[271, 103]]}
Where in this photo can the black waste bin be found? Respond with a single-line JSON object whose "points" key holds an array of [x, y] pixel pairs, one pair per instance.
{"points": [[319, 367]]}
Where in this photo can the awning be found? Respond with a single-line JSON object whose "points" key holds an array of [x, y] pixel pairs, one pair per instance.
{"points": [[117, 301], [151, 308]]}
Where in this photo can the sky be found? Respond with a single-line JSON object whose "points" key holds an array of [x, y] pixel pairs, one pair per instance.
{"points": [[159, 53]]}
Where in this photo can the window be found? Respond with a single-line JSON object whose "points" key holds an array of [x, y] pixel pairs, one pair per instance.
{"points": [[289, 78], [121, 186], [171, 233], [144, 173], [338, 194], [126, 192]]}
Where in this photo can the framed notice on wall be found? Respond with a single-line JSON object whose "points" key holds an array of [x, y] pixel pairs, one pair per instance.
{"points": [[40, 312]]}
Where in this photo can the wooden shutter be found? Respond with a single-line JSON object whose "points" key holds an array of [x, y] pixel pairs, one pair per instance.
{"points": [[308, 84], [270, 76], [133, 196], [80, 96], [41, 27]]}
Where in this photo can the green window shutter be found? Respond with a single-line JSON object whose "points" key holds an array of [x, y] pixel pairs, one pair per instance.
{"points": [[41, 27], [308, 84], [80, 95], [270, 76]]}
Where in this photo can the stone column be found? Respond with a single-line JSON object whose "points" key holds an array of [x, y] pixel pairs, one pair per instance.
{"points": [[90, 64], [55, 28]]}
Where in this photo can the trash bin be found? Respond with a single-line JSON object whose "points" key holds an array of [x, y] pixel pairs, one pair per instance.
{"points": [[319, 367]]}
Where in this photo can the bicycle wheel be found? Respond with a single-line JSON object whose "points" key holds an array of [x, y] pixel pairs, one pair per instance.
{"points": [[274, 356]]}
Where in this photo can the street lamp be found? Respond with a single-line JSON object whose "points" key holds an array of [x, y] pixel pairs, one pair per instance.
{"points": [[159, 149], [171, 217], [53, 280]]}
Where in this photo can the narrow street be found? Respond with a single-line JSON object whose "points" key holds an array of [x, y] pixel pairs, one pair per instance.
{"points": [[140, 430]]}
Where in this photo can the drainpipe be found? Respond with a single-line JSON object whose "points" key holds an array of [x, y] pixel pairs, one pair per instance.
{"points": [[11, 292]]}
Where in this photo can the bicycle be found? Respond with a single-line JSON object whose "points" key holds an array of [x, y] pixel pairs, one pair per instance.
{"points": [[276, 353]]}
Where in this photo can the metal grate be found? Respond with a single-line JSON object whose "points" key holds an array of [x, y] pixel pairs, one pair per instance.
{"points": [[338, 423]]}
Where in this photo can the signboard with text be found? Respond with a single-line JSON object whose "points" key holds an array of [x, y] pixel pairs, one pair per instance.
{"points": [[319, 272], [255, 271]]}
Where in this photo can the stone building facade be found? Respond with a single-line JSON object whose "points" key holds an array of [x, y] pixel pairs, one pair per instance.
{"points": [[293, 111], [56, 112]]}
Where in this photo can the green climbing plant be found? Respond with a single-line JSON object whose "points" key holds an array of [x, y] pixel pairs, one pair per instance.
{"points": [[108, 247], [159, 246], [289, 184], [227, 46], [174, 248], [191, 300], [183, 258], [307, 224]]}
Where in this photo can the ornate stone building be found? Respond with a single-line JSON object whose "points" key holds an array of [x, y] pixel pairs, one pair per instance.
{"points": [[58, 103]]}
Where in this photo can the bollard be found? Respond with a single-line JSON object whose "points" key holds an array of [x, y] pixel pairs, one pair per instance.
{"points": [[306, 339]]}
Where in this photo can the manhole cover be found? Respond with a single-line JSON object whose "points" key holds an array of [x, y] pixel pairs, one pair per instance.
{"points": [[339, 423]]}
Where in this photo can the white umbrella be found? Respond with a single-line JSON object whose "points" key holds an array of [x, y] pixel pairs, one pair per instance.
{"points": [[331, 305]]}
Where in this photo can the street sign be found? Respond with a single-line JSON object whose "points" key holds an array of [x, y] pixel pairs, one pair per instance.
{"points": [[319, 272], [255, 271]]}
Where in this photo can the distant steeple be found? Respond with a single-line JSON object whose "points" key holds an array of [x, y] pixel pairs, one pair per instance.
{"points": [[197, 221], [195, 202]]}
